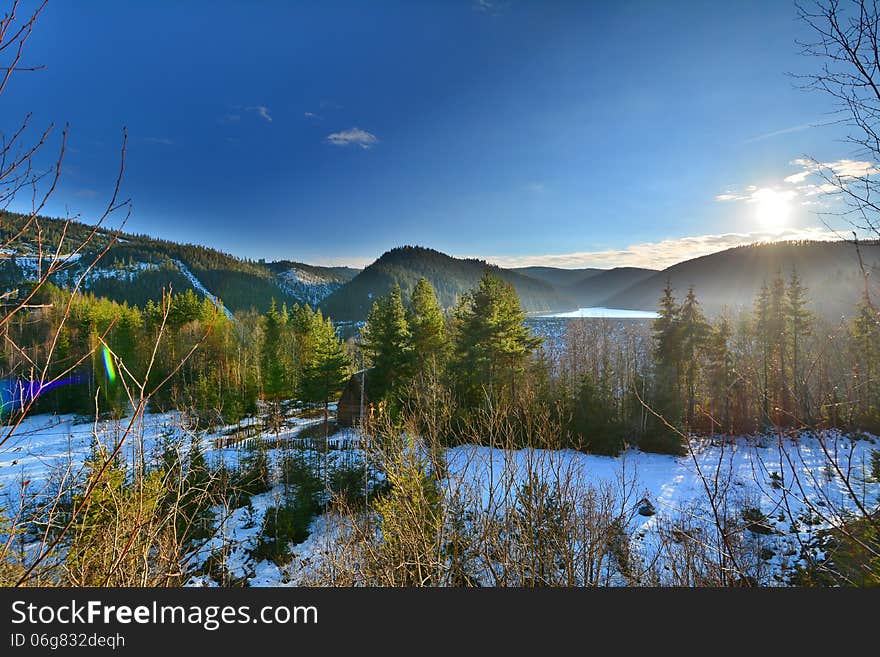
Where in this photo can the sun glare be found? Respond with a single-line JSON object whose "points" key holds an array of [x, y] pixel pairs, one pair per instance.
{"points": [[772, 208]]}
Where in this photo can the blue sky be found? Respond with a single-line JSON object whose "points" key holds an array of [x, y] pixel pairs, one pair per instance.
{"points": [[565, 133]]}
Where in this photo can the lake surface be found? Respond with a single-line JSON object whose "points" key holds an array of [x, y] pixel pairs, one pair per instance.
{"points": [[610, 313]]}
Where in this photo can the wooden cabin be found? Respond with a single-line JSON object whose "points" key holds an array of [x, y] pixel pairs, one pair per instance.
{"points": [[348, 411]]}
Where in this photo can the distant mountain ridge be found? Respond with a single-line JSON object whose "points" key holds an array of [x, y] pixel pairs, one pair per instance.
{"points": [[831, 272], [450, 277], [139, 267]]}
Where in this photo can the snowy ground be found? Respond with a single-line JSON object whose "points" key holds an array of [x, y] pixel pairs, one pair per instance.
{"points": [[750, 468]]}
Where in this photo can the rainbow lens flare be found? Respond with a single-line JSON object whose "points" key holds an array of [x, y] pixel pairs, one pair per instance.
{"points": [[16, 394], [109, 367]]}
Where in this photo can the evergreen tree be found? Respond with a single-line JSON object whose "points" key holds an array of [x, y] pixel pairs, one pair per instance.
{"points": [[593, 418], [693, 332], [426, 326], [274, 363], [387, 343], [763, 328], [720, 365], [865, 332], [778, 334], [667, 376], [326, 373], [492, 343], [799, 326]]}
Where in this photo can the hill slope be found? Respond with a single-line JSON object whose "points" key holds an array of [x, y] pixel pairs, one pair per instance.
{"points": [[138, 267], [558, 277], [595, 290], [830, 271], [451, 277]]}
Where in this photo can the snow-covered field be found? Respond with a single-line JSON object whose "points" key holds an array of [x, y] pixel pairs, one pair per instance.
{"points": [[754, 470]]}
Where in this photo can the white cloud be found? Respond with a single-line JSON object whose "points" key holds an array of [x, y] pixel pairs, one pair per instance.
{"points": [[731, 196], [312, 115], [757, 194], [262, 111], [659, 255], [852, 168], [535, 187], [798, 177], [355, 136], [812, 180]]}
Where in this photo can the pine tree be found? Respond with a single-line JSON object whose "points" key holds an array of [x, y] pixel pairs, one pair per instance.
{"points": [[720, 364], [693, 330], [492, 343], [763, 327], [386, 340], [272, 358], [326, 373], [666, 396], [866, 341], [778, 334], [426, 326], [799, 326]]}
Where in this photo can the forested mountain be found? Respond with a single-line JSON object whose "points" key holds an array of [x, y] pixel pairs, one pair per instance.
{"points": [[595, 290], [829, 270], [558, 277], [450, 277], [308, 282], [136, 268]]}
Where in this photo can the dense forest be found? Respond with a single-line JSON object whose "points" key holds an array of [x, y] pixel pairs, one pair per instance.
{"points": [[135, 268], [450, 277]]}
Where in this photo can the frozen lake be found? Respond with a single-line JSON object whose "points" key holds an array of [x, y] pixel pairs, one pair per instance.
{"points": [[612, 313]]}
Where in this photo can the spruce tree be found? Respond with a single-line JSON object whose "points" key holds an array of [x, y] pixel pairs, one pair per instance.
{"points": [[326, 373], [763, 327], [492, 343], [778, 334], [866, 342], [693, 332], [426, 325], [667, 376], [386, 340], [720, 364], [799, 326]]}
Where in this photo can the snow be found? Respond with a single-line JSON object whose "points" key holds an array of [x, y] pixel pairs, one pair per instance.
{"points": [[307, 286], [35, 265], [46, 446], [601, 312], [197, 284]]}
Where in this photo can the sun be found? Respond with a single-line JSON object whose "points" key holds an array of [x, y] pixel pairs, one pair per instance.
{"points": [[772, 208]]}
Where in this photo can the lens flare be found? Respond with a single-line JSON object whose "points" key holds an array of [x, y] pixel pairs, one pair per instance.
{"points": [[17, 394], [109, 367]]}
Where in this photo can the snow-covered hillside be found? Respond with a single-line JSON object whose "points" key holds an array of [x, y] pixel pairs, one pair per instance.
{"points": [[310, 287], [197, 284], [750, 468]]}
